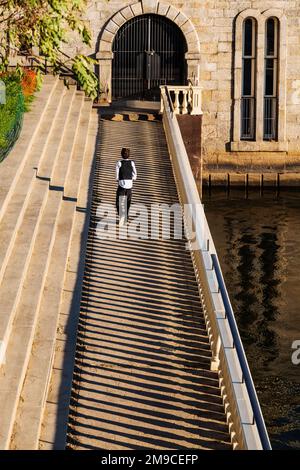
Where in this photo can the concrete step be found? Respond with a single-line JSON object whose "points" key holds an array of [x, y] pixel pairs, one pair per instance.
{"points": [[46, 165], [16, 206], [130, 116], [60, 170], [34, 393], [75, 167], [15, 273], [86, 187], [42, 251], [55, 417], [42, 142], [20, 251], [19, 347], [13, 165]]}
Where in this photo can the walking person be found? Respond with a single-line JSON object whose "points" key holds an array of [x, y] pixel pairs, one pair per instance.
{"points": [[125, 175]]}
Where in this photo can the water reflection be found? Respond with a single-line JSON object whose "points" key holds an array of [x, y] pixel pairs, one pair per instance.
{"points": [[258, 242]]}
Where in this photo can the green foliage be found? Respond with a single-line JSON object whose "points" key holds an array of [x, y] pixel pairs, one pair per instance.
{"points": [[18, 100], [39, 80], [46, 24], [11, 113], [82, 68], [28, 100]]}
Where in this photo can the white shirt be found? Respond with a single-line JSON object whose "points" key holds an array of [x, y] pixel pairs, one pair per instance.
{"points": [[126, 184]]}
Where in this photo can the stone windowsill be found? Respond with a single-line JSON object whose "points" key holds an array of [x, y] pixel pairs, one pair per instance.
{"points": [[258, 146]]}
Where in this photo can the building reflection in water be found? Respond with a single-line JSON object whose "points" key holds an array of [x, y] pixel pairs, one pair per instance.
{"points": [[258, 243]]}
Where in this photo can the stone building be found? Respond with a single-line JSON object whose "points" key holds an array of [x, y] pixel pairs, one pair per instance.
{"points": [[245, 54]]}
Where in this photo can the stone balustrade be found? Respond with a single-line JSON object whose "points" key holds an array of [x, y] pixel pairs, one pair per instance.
{"points": [[185, 99]]}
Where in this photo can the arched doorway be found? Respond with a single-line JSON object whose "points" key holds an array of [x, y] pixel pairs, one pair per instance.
{"points": [[148, 51]]}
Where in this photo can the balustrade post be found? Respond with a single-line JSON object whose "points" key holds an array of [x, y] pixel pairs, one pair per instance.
{"points": [[191, 102], [161, 101], [176, 103], [190, 99], [196, 101], [185, 102]]}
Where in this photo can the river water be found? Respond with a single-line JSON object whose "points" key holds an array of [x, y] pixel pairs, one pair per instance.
{"points": [[258, 241]]}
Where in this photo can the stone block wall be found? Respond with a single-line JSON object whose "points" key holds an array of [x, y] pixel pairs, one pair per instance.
{"points": [[214, 22]]}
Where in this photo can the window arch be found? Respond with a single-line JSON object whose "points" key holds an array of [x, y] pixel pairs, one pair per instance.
{"points": [[249, 67], [271, 78], [269, 115]]}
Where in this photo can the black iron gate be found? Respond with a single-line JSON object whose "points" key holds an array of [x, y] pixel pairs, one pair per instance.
{"points": [[149, 51]]}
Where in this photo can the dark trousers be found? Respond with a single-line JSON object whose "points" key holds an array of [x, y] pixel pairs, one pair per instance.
{"points": [[126, 196]]}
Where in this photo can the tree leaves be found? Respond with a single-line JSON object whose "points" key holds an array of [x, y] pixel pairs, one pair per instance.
{"points": [[82, 68], [46, 24]]}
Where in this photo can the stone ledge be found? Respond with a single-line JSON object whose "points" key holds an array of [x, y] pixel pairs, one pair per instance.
{"points": [[251, 179], [259, 146], [290, 179]]}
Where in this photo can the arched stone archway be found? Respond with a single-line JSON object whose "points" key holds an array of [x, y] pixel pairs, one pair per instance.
{"points": [[105, 54]]}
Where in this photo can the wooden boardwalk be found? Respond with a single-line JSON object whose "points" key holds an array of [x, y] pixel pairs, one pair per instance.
{"points": [[142, 376]]}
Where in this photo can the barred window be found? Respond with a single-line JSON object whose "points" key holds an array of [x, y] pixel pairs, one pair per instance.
{"points": [[248, 101], [271, 79]]}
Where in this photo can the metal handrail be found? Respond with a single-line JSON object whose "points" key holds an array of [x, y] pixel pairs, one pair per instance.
{"points": [[258, 416], [41, 61], [44, 62]]}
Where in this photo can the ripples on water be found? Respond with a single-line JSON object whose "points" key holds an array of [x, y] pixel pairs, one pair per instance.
{"points": [[258, 243]]}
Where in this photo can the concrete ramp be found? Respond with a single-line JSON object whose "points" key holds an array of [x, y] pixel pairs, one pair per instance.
{"points": [[142, 376]]}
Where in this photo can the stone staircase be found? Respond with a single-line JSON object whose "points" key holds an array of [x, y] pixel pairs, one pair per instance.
{"points": [[41, 182]]}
